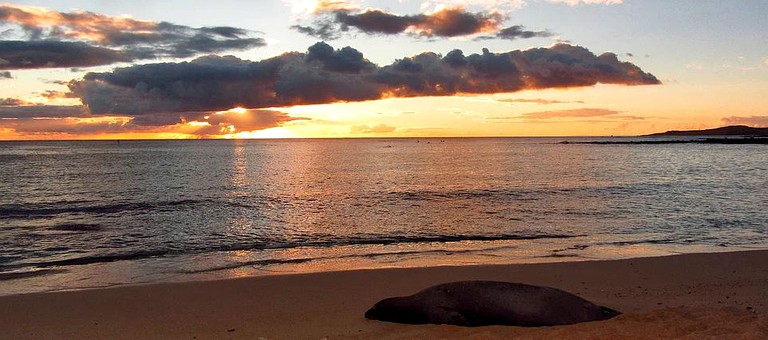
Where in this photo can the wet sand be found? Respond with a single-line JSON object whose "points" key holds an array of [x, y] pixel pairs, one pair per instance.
{"points": [[695, 296]]}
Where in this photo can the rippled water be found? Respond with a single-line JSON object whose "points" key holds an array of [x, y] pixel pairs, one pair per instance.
{"points": [[82, 214]]}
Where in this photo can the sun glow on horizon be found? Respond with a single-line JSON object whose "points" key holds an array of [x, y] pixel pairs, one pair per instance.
{"points": [[573, 112], [239, 109], [280, 132]]}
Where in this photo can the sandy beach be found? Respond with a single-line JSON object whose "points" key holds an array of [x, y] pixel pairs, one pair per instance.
{"points": [[692, 296]]}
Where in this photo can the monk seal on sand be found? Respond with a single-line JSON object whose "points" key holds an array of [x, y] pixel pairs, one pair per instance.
{"points": [[482, 303]]}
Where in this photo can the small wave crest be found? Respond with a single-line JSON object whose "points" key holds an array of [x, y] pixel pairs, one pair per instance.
{"points": [[519, 194], [257, 246], [27, 273], [78, 227], [43, 210]]}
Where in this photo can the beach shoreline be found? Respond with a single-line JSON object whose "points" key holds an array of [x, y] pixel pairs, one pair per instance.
{"points": [[703, 295]]}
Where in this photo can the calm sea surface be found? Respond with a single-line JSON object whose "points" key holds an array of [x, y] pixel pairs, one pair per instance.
{"points": [[93, 214]]}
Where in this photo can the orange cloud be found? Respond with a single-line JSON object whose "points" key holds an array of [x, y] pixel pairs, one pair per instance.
{"points": [[241, 120], [455, 21], [754, 121], [322, 6], [173, 97], [66, 126], [81, 39], [79, 25]]}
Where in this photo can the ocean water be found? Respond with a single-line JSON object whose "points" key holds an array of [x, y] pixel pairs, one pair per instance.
{"points": [[87, 214]]}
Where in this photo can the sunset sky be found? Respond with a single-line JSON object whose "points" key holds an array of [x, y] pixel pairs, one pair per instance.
{"points": [[109, 69]]}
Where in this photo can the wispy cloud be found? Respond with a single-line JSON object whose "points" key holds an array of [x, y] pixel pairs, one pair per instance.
{"points": [[579, 114], [514, 33], [513, 4], [573, 113], [588, 2], [51, 54], [69, 126], [538, 101], [47, 38], [755, 121], [499, 5], [305, 7], [22, 110]]}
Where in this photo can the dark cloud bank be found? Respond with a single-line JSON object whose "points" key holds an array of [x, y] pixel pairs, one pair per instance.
{"points": [[449, 22], [325, 75], [50, 54], [83, 39]]}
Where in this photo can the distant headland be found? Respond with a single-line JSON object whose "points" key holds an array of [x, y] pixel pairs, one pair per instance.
{"points": [[734, 130], [736, 134]]}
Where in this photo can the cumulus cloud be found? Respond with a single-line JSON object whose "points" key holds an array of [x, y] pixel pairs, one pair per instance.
{"points": [[754, 121], [49, 38], [447, 22], [5, 74], [326, 75], [366, 129]]}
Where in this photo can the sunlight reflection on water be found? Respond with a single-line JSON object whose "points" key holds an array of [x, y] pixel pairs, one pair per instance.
{"points": [[144, 211]]}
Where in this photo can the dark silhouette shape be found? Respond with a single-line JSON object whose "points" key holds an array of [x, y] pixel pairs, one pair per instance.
{"points": [[735, 130], [731, 140], [482, 303]]}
